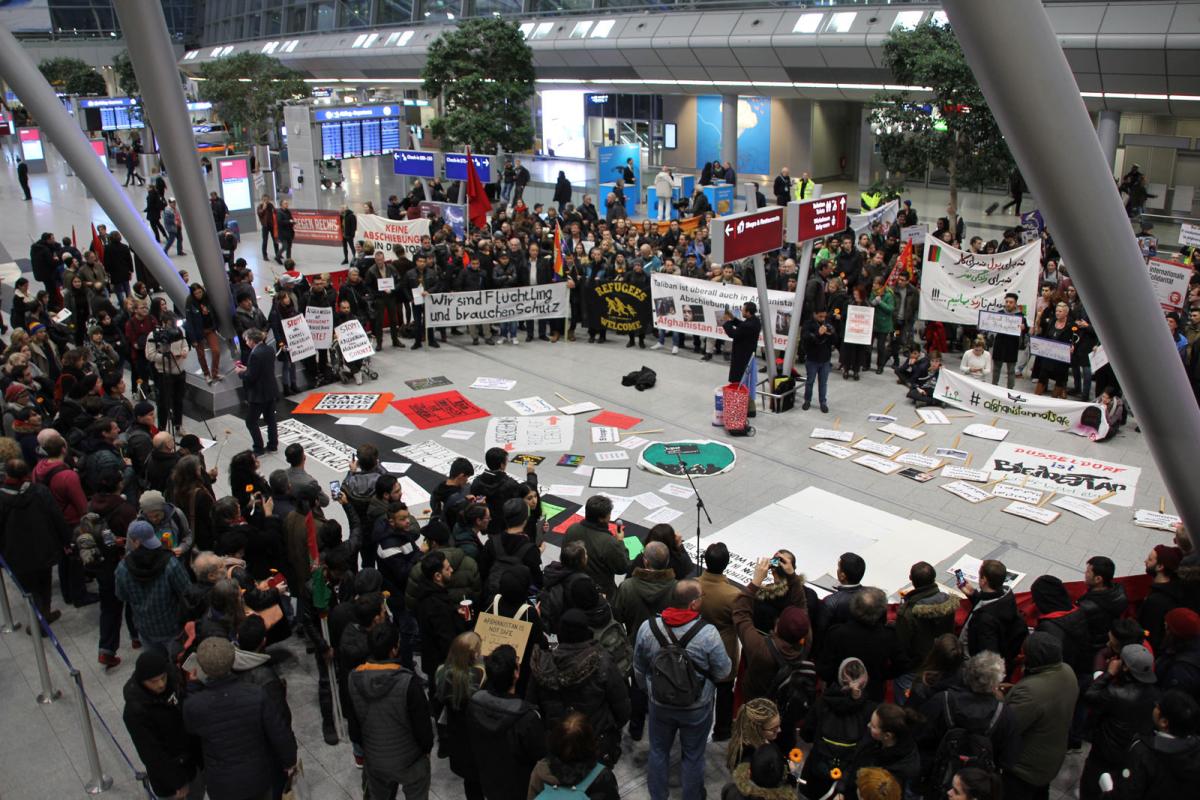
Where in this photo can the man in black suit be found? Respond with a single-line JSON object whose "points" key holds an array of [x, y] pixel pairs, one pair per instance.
{"points": [[262, 392]]}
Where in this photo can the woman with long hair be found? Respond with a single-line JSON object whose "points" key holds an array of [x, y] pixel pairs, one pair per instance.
{"points": [[201, 328], [573, 761], [245, 480], [940, 670], [892, 745], [188, 490], [973, 783], [757, 723], [282, 308], [459, 677]]}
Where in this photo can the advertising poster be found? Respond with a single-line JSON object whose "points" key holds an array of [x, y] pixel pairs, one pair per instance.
{"points": [[614, 159]]}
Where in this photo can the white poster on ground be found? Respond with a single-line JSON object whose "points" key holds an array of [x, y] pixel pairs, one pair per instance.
{"points": [[391, 233], [353, 340], [320, 326], [698, 307], [546, 301], [860, 323], [1064, 473], [551, 434], [1041, 410], [434, 456], [299, 339], [956, 285]]}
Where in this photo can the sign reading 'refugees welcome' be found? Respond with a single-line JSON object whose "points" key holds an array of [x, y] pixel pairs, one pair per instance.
{"points": [[549, 301]]}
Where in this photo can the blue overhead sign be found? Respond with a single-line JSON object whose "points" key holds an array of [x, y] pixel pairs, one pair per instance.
{"points": [[355, 112], [456, 167], [106, 102], [414, 163]]}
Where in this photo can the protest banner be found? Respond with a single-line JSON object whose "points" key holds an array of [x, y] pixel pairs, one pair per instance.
{"points": [[1063, 473], [1051, 349], [698, 307], [494, 631], [886, 214], [1098, 358], [956, 285], [914, 234], [1041, 410], [320, 326], [1189, 235], [299, 340], [999, 322], [317, 227], [860, 323], [434, 410], [435, 456], [1170, 280], [318, 446], [344, 403], [548, 434], [548, 301], [389, 234], [621, 307], [353, 341]]}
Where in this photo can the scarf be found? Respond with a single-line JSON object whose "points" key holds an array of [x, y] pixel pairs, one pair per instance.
{"points": [[675, 617]]}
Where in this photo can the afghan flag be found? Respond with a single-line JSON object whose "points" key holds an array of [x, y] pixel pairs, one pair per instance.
{"points": [[97, 243], [477, 199], [935, 253], [558, 253]]}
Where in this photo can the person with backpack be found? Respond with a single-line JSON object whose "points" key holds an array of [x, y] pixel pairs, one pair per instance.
{"points": [[835, 725], [511, 551], [678, 658], [993, 624], [716, 606], [1165, 764], [170, 523], [358, 484], [572, 770], [579, 675], [559, 578], [506, 732], [54, 472], [864, 636], [103, 528], [640, 597], [607, 556], [968, 726], [496, 486], [455, 485]]}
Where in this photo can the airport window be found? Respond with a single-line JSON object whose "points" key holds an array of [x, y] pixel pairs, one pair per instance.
{"points": [[526, 29], [324, 15], [841, 21], [483, 8], [808, 23], [940, 18], [580, 31], [542, 30], [297, 19], [907, 20], [394, 11], [603, 28]]}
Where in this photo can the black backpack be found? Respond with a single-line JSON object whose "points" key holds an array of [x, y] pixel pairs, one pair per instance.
{"points": [[502, 564], [675, 680], [794, 687], [962, 747]]}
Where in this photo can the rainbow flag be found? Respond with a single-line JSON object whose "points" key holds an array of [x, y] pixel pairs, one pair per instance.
{"points": [[558, 253]]}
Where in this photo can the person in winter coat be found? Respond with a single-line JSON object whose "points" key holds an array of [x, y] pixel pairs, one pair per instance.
{"points": [[1103, 602], [1042, 702], [118, 261], [580, 676], [393, 712], [285, 232], [153, 583], [255, 667], [993, 623], [646, 591], [33, 533], [1058, 616], [455, 682], [506, 732], [835, 725], [153, 715], [606, 553], [1178, 665], [44, 257], [884, 326], [438, 615], [464, 582], [562, 190], [890, 744], [924, 614], [745, 333], [764, 654], [1122, 702], [247, 746], [1166, 593], [762, 777], [1166, 763], [867, 638], [573, 762], [495, 485], [283, 308]]}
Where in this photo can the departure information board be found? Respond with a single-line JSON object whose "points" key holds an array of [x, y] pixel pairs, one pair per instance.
{"points": [[331, 140], [354, 138], [372, 144]]}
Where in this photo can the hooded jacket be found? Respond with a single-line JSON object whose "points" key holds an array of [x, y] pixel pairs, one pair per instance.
{"points": [[1062, 620], [259, 669], [1163, 598], [761, 666], [496, 486], [925, 614], [641, 596], [155, 724], [153, 583], [464, 582], [436, 614], [1122, 709], [393, 716], [32, 529], [606, 557], [1101, 607], [973, 712], [1042, 703], [743, 787], [507, 740], [581, 676], [994, 624], [1160, 766]]}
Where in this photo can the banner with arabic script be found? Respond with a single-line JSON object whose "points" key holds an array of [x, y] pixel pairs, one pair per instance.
{"points": [[956, 284]]}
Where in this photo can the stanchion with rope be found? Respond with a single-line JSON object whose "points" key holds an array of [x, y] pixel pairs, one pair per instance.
{"points": [[49, 694], [7, 623], [98, 782]]}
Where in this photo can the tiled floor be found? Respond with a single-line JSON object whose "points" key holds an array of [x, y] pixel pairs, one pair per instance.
{"points": [[41, 754]]}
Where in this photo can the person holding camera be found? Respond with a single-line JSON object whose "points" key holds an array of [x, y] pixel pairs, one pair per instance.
{"points": [[818, 339], [166, 349]]}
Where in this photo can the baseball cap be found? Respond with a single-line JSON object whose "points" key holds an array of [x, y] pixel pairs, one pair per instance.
{"points": [[143, 533], [1139, 662]]}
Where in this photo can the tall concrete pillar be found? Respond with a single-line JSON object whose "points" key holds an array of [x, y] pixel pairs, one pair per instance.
{"points": [[866, 147], [729, 129], [163, 101], [23, 76], [1005, 43], [1108, 131]]}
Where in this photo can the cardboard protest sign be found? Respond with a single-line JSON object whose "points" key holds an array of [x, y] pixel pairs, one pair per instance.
{"points": [[353, 340], [999, 322], [495, 630], [320, 326], [860, 324], [299, 339], [1052, 349], [549, 434], [1076, 476], [1170, 280]]}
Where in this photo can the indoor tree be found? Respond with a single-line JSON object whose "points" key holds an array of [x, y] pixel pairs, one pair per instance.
{"points": [[483, 72], [126, 79], [953, 130], [73, 76], [247, 90]]}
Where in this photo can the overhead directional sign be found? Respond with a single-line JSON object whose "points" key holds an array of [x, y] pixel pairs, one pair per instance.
{"points": [[748, 234], [816, 219], [456, 167], [416, 163]]}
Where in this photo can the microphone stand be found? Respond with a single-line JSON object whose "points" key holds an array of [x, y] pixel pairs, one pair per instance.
{"points": [[700, 507]]}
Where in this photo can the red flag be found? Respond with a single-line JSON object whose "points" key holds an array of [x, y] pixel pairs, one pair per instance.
{"points": [[74, 238], [310, 535], [97, 244], [558, 253], [903, 261], [477, 198]]}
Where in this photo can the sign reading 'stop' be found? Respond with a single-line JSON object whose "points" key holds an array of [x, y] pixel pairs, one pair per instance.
{"points": [[748, 234], [816, 219]]}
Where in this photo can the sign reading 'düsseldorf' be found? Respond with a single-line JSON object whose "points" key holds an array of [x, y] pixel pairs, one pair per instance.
{"points": [[750, 233], [816, 218], [414, 163]]}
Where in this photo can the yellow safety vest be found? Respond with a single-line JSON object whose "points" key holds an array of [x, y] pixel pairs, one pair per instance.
{"points": [[870, 201]]}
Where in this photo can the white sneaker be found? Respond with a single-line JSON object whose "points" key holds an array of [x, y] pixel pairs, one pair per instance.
{"points": [[674, 350], [515, 340], [358, 378], [656, 346]]}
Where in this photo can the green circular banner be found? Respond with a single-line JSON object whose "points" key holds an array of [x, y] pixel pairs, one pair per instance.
{"points": [[706, 457]]}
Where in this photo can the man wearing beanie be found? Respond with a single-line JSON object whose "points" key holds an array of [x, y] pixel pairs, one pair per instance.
{"points": [[579, 675], [168, 522], [153, 583], [248, 748], [154, 719], [1121, 701], [1178, 664], [510, 550], [1165, 591]]}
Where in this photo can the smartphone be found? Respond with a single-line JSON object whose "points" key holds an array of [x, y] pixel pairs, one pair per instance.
{"points": [[275, 580], [335, 488], [959, 578], [775, 562]]}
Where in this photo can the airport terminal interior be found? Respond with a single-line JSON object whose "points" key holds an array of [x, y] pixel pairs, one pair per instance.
{"points": [[1041, 481]]}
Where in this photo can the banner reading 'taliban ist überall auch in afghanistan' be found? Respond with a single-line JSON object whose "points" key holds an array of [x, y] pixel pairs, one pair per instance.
{"points": [[698, 307], [956, 284]]}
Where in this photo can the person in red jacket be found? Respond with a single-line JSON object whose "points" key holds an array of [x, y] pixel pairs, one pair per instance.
{"points": [[138, 327], [63, 482]]}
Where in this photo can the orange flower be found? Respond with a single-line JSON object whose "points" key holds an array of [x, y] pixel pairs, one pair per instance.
{"points": [[249, 487], [835, 774], [796, 755]]}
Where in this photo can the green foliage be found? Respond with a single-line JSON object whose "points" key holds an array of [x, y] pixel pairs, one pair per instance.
{"points": [[247, 89], [483, 71], [123, 69], [73, 76], [964, 139]]}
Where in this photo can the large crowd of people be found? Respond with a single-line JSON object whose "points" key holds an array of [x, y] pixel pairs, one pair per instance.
{"points": [[816, 697]]}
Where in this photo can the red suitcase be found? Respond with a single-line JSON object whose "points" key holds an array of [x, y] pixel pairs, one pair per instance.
{"points": [[736, 402]]}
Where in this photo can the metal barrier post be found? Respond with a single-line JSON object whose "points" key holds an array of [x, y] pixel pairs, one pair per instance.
{"points": [[49, 694], [99, 781], [7, 623]]}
